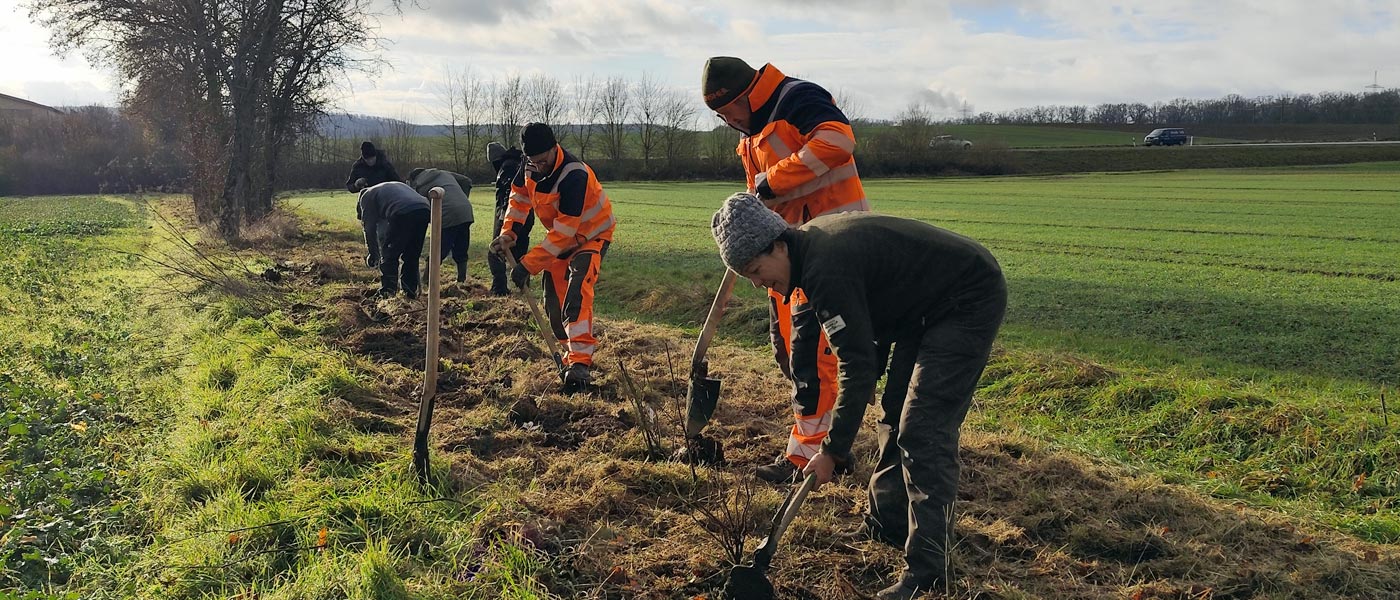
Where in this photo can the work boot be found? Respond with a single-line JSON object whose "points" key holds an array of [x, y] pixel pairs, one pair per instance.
{"points": [[908, 588], [577, 378], [462, 272], [781, 471]]}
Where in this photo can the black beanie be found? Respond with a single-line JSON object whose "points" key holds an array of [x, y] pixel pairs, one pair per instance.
{"points": [[367, 149], [537, 138], [725, 78]]}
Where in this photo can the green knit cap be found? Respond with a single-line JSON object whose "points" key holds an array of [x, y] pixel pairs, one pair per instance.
{"points": [[724, 79]]}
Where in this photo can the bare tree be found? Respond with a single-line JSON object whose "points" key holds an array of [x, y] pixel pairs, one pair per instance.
{"points": [[649, 96], [245, 74], [474, 99], [508, 103], [678, 111], [852, 108], [449, 113], [614, 106], [584, 101], [545, 103]]}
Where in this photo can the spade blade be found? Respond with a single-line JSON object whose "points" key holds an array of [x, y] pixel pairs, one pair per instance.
{"points": [[701, 399]]}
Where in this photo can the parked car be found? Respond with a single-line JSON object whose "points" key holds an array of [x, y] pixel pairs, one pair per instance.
{"points": [[1166, 136], [948, 141]]}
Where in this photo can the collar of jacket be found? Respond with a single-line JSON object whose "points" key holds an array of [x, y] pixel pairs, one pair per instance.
{"points": [[796, 246], [763, 95]]}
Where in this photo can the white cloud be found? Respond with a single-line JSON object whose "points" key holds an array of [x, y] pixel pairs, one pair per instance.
{"points": [[884, 54]]}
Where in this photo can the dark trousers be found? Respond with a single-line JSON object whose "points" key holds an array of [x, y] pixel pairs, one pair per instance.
{"points": [[522, 245], [928, 391], [403, 241], [455, 240]]}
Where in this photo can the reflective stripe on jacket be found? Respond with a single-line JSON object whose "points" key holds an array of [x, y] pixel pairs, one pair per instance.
{"points": [[801, 146], [569, 202]]}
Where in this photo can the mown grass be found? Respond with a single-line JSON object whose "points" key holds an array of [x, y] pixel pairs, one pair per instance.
{"points": [[1195, 289]]}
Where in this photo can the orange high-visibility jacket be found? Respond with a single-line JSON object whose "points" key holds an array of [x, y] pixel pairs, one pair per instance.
{"points": [[569, 202], [800, 147]]}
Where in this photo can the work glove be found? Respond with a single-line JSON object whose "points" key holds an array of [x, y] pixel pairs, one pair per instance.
{"points": [[502, 243], [371, 261], [520, 276], [762, 188], [361, 184]]}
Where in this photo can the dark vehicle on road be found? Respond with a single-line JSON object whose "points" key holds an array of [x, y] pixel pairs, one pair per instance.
{"points": [[1166, 136]]}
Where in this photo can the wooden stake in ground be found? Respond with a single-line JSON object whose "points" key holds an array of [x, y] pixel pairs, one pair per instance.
{"points": [[430, 365]]}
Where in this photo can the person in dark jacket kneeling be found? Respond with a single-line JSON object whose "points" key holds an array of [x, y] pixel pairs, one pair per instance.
{"points": [[875, 283], [407, 214]]}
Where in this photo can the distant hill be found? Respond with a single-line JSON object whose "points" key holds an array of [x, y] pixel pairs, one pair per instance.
{"points": [[342, 125]]}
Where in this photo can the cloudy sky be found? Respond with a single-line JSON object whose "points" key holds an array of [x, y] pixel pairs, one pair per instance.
{"points": [[883, 54]]}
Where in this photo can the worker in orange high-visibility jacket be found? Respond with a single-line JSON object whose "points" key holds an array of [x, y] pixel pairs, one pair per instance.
{"points": [[796, 149], [568, 200]]}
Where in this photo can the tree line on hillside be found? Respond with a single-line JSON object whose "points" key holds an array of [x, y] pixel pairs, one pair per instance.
{"points": [[1381, 107]]}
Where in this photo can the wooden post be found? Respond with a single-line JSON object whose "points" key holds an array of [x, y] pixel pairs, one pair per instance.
{"points": [[430, 365]]}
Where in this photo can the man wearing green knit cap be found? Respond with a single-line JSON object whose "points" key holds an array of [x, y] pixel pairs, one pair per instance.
{"points": [[940, 301]]}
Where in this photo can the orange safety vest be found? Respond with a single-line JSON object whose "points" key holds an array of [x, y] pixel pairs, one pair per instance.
{"points": [[570, 203], [802, 149]]}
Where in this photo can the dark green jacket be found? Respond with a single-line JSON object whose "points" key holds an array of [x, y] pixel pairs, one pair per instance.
{"points": [[872, 279]]}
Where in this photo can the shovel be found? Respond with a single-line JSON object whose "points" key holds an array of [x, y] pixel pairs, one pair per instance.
{"points": [[750, 582], [545, 329], [703, 394]]}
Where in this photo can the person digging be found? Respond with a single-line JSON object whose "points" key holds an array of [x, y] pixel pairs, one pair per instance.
{"points": [[872, 281], [406, 214], [796, 148], [457, 215], [565, 195]]}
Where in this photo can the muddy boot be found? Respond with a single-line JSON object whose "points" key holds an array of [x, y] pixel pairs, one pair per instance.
{"points": [[577, 378], [781, 471], [462, 272]]}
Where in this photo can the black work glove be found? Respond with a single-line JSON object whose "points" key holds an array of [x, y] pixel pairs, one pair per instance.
{"points": [[764, 190], [371, 261], [520, 276]]}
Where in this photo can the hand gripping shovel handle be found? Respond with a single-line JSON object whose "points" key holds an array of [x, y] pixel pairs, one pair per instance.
{"points": [[703, 395], [764, 554], [545, 329]]}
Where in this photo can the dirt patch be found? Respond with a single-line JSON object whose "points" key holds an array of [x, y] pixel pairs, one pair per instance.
{"points": [[393, 344]]}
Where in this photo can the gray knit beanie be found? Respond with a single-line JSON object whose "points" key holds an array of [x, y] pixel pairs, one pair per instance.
{"points": [[744, 228]]}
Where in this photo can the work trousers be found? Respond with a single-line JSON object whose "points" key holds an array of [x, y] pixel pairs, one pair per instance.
{"points": [[403, 241], [927, 394], [811, 405], [568, 300]]}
